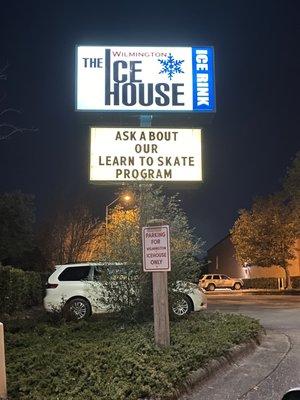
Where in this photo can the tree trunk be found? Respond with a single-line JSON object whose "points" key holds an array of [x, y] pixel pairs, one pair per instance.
{"points": [[288, 283]]}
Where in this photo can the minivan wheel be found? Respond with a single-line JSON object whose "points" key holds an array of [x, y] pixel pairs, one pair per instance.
{"points": [[237, 286], [211, 287], [182, 306], [77, 309]]}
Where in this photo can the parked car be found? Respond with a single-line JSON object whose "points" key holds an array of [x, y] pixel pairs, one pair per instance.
{"points": [[217, 281], [76, 289], [293, 394]]}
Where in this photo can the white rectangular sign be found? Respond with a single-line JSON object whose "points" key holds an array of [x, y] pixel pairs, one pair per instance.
{"points": [[145, 154], [156, 248], [118, 78]]}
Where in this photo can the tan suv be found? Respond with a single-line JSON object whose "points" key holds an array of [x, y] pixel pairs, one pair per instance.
{"points": [[213, 281]]}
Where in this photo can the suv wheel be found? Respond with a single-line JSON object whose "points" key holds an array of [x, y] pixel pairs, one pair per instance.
{"points": [[77, 309], [237, 286], [182, 306], [211, 287]]}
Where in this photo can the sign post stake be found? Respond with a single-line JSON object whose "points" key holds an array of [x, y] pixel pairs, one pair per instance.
{"points": [[156, 251], [3, 390], [161, 309]]}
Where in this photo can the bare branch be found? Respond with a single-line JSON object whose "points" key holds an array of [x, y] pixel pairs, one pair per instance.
{"points": [[8, 110], [3, 97], [13, 130], [3, 75], [8, 129]]}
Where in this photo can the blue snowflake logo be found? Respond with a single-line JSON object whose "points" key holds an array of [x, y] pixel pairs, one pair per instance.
{"points": [[170, 66]]}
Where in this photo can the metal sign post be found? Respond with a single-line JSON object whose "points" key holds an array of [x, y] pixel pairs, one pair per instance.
{"points": [[156, 259], [3, 390]]}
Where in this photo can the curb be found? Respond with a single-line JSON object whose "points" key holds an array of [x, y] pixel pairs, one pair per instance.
{"points": [[293, 292], [202, 374]]}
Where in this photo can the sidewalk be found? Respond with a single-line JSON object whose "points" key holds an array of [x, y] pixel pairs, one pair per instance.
{"points": [[250, 378]]}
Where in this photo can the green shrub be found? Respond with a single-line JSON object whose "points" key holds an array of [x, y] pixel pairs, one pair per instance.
{"points": [[261, 283], [105, 360], [296, 282], [19, 289]]}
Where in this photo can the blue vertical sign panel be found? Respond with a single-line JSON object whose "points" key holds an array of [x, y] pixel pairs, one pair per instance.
{"points": [[203, 79]]}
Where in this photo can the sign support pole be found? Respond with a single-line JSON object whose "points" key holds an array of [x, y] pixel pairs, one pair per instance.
{"points": [[161, 309], [159, 282], [3, 390]]}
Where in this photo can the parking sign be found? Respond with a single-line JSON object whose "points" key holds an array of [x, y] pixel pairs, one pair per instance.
{"points": [[156, 248]]}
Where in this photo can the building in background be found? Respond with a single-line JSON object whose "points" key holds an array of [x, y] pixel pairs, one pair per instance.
{"points": [[222, 260]]}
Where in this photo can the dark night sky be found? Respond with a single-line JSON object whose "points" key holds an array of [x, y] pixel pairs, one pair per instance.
{"points": [[247, 147]]}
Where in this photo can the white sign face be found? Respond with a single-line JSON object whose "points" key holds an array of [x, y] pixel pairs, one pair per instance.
{"points": [[145, 154], [118, 78], [156, 248]]}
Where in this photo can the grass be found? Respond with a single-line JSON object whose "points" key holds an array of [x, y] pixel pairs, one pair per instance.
{"points": [[104, 360]]}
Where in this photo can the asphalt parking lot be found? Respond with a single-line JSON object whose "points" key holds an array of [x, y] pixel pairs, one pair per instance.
{"points": [[274, 367]]}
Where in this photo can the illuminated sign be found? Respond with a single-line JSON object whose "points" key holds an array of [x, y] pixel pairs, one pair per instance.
{"points": [[145, 79], [145, 154]]}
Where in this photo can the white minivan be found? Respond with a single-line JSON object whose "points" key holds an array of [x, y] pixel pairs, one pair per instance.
{"points": [[77, 290]]}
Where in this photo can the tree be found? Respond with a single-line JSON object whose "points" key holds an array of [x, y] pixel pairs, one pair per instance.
{"points": [[8, 126], [72, 236], [17, 217], [291, 190], [265, 235], [131, 291]]}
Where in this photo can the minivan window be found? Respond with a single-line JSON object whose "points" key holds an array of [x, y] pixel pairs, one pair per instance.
{"points": [[100, 272], [208, 277], [75, 273], [104, 271], [216, 277]]}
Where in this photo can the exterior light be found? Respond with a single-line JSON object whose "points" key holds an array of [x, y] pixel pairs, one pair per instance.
{"points": [[127, 198]]}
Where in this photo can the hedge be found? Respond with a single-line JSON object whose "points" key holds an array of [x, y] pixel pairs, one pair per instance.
{"points": [[19, 289], [268, 283], [296, 282], [261, 283]]}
